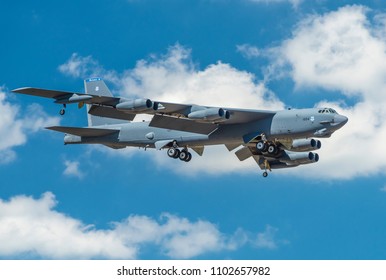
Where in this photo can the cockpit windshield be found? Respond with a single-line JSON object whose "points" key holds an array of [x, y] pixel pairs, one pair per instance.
{"points": [[327, 111]]}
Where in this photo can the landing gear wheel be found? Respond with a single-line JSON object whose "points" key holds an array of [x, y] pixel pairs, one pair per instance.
{"points": [[172, 152], [265, 174], [261, 146], [62, 111], [177, 154], [189, 157], [183, 155], [272, 149]]}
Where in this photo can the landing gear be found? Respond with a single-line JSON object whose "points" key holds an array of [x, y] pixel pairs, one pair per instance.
{"points": [[267, 166], [262, 146], [173, 152], [183, 155], [272, 149], [63, 110]]}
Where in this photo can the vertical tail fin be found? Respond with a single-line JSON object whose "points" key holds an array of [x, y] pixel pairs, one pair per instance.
{"points": [[96, 86]]}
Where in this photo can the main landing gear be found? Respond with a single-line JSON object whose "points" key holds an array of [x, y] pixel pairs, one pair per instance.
{"points": [[268, 147], [183, 154]]}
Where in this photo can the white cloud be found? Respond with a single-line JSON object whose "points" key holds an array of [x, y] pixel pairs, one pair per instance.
{"points": [[72, 169], [267, 238], [248, 51], [32, 227], [14, 126], [78, 66], [342, 51], [36, 119], [11, 127], [294, 3], [338, 51], [175, 78]]}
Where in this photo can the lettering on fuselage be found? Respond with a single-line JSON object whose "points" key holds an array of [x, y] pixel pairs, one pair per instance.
{"points": [[311, 119]]}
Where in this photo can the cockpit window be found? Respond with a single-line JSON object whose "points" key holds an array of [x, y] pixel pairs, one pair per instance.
{"points": [[327, 111]]}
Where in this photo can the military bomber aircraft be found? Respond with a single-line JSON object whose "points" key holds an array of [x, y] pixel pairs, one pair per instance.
{"points": [[275, 139]]}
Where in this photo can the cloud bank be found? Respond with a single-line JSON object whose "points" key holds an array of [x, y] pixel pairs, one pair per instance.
{"points": [[32, 228], [294, 3], [341, 51], [15, 128]]}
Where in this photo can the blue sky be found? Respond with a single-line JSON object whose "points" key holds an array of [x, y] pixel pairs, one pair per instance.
{"points": [[89, 202]]}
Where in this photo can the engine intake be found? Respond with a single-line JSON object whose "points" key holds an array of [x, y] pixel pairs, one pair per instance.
{"points": [[136, 105], [299, 158], [305, 145], [210, 114]]}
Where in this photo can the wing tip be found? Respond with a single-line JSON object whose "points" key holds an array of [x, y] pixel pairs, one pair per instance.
{"points": [[20, 90]]}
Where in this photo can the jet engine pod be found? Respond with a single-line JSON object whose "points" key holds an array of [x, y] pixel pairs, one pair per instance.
{"points": [[299, 158], [210, 114], [305, 145], [135, 105]]}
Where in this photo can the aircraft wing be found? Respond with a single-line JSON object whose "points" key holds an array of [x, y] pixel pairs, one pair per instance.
{"points": [[64, 97], [182, 124], [197, 113], [235, 115]]}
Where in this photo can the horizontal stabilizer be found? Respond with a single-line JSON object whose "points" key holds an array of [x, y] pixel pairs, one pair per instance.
{"points": [[84, 131], [182, 124]]}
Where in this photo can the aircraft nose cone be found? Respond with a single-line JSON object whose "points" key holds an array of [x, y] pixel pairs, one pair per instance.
{"points": [[340, 120]]}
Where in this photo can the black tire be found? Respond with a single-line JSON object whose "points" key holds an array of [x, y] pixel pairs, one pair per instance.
{"points": [[265, 174], [272, 149], [62, 112], [177, 154], [261, 146], [183, 155], [189, 157], [172, 152]]}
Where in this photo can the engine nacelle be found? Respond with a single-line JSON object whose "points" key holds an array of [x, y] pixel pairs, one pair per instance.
{"points": [[136, 105], [305, 145], [210, 114], [299, 158]]}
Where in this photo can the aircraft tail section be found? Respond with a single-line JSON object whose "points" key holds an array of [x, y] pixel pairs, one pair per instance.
{"points": [[96, 86]]}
